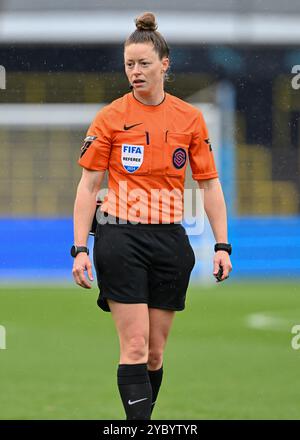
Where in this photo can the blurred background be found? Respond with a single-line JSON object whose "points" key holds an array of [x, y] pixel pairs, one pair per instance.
{"points": [[236, 60]]}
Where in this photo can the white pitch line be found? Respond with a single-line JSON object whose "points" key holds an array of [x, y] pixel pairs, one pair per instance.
{"points": [[263, 321]]}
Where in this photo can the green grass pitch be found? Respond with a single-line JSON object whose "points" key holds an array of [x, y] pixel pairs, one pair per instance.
{"points": [[229, 355]]}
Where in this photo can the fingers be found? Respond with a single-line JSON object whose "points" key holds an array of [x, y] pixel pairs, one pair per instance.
{"points": [[81, 264], [89, 271], [216, 267], [226, 271], [219, 274], [80, 279], [222, 261]]}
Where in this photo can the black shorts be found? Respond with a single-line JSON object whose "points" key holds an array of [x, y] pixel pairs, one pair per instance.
{"points": [[143, 263]]}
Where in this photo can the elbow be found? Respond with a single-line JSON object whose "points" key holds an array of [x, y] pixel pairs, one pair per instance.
{"points": [[208, 183], [91, 181]]}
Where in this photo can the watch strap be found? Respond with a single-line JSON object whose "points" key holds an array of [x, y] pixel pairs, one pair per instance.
{"points": [[223, 247], [75, 250]]}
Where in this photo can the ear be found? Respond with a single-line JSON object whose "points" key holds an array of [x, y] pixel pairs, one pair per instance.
{"points": [[165, 64]]}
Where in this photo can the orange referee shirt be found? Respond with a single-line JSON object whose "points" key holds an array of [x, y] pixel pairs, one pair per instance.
{"points": [[145, 150]]}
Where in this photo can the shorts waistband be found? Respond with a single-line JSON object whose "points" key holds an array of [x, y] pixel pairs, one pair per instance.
{"points": [[107, 219]]}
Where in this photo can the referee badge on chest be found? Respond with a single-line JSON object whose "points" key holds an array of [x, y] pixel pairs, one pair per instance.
{"points": [[132, 157]]}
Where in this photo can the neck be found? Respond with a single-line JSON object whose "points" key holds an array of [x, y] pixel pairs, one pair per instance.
{"points": [[150, 99]]}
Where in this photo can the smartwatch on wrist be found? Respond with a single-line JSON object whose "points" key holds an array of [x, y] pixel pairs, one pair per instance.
{"points": [[223, 247], [75, 250]]}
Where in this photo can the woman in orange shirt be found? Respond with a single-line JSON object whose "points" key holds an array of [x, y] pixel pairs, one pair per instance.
{"points": [[142, 255]]}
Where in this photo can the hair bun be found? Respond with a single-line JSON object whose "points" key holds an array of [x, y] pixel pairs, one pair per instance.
{"points": [[146, 22]]}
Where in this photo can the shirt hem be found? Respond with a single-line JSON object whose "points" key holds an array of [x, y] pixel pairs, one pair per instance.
{"points": [[205, 176]]}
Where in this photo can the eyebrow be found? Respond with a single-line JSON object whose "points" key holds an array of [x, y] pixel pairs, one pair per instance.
{"points": [[141, 59]]}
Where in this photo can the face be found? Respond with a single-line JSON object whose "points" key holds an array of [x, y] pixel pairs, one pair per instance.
{"points": [[144, 70]]}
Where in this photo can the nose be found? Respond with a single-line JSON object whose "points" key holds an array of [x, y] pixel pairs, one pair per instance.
{"points": [[136, 69]]}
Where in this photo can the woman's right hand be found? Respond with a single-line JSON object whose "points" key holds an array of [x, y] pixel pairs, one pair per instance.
{"points": [[81, 264]]}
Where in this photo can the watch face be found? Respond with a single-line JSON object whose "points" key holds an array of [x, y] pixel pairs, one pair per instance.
{"points": [[73, 251]]}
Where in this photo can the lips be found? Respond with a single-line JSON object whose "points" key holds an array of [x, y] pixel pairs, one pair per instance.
{"points": [[138, 81]]}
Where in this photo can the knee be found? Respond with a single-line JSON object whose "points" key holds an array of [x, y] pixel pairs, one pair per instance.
{"points": [[137, 348], [155, 358]]}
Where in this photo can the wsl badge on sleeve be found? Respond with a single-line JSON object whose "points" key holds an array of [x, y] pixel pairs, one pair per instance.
{"points": [[86, 144], [132, 157]]}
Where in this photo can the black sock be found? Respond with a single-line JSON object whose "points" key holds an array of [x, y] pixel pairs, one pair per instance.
{"points": [[155, 380], [135, 390]]}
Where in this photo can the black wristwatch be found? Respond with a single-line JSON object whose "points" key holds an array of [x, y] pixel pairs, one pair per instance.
{"points": [[223, 247], [75, 250]]}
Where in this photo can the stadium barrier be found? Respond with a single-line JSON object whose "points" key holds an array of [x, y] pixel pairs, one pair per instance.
{"points": [[38, 250]]}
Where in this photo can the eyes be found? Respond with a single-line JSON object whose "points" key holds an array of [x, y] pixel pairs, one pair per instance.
{"points": [[130, 64]]}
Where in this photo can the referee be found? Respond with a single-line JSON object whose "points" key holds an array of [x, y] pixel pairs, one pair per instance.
{"points": [[142, 255]]}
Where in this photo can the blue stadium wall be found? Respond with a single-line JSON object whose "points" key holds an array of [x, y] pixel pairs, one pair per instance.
{"points": [[37, 250]]}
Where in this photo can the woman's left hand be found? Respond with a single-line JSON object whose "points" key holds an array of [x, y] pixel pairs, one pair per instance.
{"points": [[222, 260]]}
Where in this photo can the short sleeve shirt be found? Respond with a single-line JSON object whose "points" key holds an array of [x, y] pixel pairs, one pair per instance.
{"points": [[146, 150]]}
